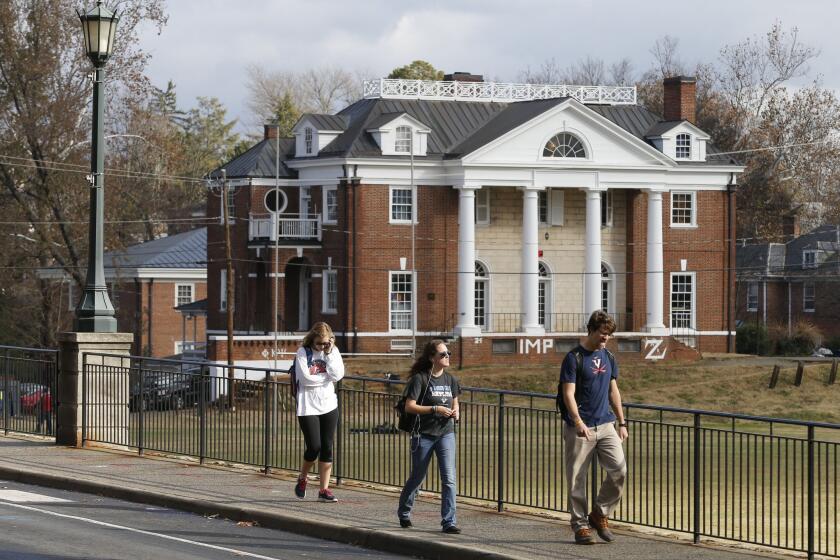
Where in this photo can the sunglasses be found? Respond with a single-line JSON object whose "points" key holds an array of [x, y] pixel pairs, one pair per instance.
{"points": [[322, 343], [444, 354]]}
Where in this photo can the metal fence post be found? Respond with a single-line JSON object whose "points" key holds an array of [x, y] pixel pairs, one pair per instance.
{"points": [[84, 398], [810, 492], [141, 405], [7, 401], [696, 478], [500, 453], [339, 441], [267, 423], [202, 413]]}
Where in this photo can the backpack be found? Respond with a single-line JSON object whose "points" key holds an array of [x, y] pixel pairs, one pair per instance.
{"points": [[407, 422], [558, 400], [293, 382]]}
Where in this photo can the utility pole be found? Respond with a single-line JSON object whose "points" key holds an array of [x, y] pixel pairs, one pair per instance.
{"points": [[413, 249], [229, 290], [276, 271]]}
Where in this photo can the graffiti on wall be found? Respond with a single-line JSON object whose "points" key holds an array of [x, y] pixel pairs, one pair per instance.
{"points": [[655, 348], [538, 345]]}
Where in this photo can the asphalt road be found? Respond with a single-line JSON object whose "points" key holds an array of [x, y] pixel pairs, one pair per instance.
{"points": [[45, 524]]}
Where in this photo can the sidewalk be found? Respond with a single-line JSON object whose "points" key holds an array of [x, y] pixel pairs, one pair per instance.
{"points": [[363, 516]]}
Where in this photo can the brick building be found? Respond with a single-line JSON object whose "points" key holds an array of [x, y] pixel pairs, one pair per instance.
{"points": [[146, 282], [781, 284], [497, 215]]}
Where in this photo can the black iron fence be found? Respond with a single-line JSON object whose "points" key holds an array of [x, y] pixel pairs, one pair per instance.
{"points": [[758, 480], [28, 389]]}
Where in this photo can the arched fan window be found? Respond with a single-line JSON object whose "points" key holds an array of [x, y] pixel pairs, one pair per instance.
{"points": [[564, 145]]}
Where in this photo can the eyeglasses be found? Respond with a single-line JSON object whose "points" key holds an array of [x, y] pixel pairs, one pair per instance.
{"points": [[444, 354], [322, 344]]}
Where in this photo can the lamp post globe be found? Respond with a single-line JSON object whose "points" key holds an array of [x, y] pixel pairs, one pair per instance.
{"points": [[95, 313]]}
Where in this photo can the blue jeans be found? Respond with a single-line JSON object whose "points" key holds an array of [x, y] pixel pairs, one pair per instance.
{"points": [[422, 447]]}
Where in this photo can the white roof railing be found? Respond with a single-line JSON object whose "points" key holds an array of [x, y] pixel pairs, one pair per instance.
{"points": [[490, 91]]}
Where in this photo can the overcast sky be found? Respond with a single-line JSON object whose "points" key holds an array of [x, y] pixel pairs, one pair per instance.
{"points": [[207, 44]]}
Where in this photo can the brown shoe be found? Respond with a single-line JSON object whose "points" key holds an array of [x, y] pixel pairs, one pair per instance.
{"points": [[602, 526], [584, 536]]}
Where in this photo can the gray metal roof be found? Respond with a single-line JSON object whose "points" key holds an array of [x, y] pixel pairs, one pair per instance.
{"points": [[457, 129], [198, 307], [785, 259], [661, 128], [184, 250], [751, 260], [326, 122], [259, 161]]}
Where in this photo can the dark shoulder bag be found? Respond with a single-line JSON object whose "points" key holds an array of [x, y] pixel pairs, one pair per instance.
{"points": [[407, 422]]}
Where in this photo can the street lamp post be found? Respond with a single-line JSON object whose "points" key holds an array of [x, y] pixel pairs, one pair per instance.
{"points": [[95, 313]]}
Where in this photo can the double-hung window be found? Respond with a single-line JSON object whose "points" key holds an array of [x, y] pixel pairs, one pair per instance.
{"points": [[809, 259], [482, 206], [184, 294], [307, 140], [330, 205], [809, 295], [752, 296], [683, 209], [330, 292], [402, 205], [683, 146], [606, 209], [400, 298], [682, 300], [402, 142]]}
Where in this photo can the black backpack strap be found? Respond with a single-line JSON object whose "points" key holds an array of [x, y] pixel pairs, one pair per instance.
{"points": [[611, 358]]}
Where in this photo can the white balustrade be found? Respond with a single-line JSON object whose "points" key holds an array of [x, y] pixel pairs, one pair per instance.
{"points": [[492, 91], [287, 226]]}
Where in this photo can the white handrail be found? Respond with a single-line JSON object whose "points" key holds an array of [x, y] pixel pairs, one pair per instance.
{"points": [[492, 91]]}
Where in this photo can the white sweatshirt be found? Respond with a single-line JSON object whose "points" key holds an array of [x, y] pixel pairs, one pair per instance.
{"points": [[316, 392]]}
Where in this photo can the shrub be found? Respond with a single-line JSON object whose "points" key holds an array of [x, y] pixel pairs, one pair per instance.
{"points": [[752, 338], [804, 339]]}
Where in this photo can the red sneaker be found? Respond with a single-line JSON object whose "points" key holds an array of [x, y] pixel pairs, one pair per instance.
{"points": [[326, 496], [300, 488]]}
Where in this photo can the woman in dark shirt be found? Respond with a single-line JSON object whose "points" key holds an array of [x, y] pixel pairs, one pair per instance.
{"points": [[432, 394]]}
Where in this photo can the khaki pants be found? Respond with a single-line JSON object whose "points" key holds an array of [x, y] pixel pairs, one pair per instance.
{"points": [[605, 441]]}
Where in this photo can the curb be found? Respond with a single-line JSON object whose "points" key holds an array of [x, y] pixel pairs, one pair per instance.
{"points": [[383, 541]]}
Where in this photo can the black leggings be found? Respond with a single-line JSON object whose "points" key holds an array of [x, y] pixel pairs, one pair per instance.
{"points": [[318, 434]]}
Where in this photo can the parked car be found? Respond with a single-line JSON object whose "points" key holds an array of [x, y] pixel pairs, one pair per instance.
{"points": [[165, 391], [31, 394]]}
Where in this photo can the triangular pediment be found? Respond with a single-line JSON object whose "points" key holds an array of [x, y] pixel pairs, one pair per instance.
{"points": [[604, 142]]}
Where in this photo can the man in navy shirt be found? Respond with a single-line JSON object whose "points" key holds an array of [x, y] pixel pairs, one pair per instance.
{"points": [[589, 388]]}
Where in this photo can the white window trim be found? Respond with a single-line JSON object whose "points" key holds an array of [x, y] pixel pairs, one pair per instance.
{"points": [[693, 223], [324, 218], [549, 293], [325, 309], [814, 252], [608, 204], [308, 143], [813, 307], [192, 291], [483, 193], [677, 146], [750, 286], [413, 302], [610, 280], [391, 190], [282, 195], [693, 275], [488, 300], [397, 139]]}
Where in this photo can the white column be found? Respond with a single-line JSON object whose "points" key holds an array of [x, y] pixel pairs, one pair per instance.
{"points": [[466, 263], [529, 279], [655, 277], [592, 266]]}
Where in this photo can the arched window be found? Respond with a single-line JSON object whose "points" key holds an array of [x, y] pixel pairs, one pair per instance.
{"points": [[402, 144], [482, 296], [564, 145], [683, 146], [606, 288], [544, 296]]}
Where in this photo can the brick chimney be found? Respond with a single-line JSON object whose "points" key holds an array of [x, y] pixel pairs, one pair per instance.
{"points": [[463, 77], [269, 131], [680, 99], [790, 226]]}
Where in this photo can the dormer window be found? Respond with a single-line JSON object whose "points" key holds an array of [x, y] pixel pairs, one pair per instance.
{"points": [[809, 259], [402, 142], [683, 146], [564, 145], [307, 139]]}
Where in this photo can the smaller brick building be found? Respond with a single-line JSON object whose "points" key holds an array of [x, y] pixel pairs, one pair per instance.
{"points": [[146, 282], [781, 284]]}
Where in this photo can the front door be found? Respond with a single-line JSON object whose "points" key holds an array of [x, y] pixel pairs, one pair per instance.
{"points": [[303, 299]]}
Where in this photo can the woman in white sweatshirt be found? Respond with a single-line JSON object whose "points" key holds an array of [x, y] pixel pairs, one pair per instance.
{"points": [[318, 365]]}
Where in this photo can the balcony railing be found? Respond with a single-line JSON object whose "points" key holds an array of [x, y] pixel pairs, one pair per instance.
{"points": [[553, 322], [499, 92], [286, 226]]}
